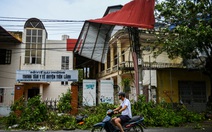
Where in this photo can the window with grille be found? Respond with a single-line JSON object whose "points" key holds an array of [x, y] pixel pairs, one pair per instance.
{"points": [[5, 56], [65, 63], [64, 66], [33, 49]]}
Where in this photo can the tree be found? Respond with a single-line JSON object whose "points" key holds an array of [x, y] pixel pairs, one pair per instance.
{"points": [[188, 31]]}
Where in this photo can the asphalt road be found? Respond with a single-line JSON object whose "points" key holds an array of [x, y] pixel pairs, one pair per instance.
{"points": [[190, 127], [175, 129]]}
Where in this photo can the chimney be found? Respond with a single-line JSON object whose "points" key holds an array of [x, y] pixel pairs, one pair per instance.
{"points": [[65, 37]]}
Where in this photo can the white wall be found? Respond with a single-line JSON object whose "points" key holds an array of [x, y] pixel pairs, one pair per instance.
{"points": [[8, 73], [57, 49], [53, 55], [54, 90]]}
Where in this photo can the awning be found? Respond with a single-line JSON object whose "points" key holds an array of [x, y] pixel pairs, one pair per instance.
{"points": [[95, 34], [34, 82], [7, 38]]}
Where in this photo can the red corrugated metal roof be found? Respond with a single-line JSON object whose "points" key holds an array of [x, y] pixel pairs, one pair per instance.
{"points": [[137, 13], [95, 34]]}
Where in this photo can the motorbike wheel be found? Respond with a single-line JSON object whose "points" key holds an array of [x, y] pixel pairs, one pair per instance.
{"points": [[136, 128], [98, 129]]}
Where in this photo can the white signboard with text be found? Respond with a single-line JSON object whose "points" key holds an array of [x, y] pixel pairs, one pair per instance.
{"points": [[106, 91], [46, 75], [89, 92]]}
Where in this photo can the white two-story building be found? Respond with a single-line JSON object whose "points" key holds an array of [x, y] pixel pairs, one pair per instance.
{"points": [[35, 66]]}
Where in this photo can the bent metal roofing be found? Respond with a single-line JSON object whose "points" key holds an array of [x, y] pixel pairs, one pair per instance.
{"points": [[93, 42]]}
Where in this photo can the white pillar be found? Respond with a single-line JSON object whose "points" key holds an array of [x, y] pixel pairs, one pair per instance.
{"points": [[119, 52], [119, 80], [111, 58], [105, 65], [41, 91]]}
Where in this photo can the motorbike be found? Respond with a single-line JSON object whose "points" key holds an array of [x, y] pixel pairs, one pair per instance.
{"points": [[80, 119], [134, 125]]}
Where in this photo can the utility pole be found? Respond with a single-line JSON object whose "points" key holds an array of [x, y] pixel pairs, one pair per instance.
{"points": [[137, 58]]}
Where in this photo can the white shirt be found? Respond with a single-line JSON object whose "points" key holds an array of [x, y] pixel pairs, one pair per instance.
{"points": [[127, 111]]}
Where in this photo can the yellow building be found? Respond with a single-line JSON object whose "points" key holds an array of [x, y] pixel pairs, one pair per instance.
{"points": [[162, 79]]}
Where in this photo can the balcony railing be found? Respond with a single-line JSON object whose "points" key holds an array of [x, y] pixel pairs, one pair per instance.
{"points": [[115, 68], [129, 66], [108, 71], [159, 65]]}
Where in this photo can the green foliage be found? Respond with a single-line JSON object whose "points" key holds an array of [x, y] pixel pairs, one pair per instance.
{"points": [[34, 114], [16, 110], [35, 108], [192, 33], [64, 102], [18, 105], [27, 115], [164, 114], [80, 75], [161, 114], [2, 122], [95, 114], [60, 121], [126, 83], [11, 119]]}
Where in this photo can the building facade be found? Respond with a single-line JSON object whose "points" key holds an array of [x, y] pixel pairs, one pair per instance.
{"points": [[163, 79], [38, 65], [110, 51], [9, 60]]}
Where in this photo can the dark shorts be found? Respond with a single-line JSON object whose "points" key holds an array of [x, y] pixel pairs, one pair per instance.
{"points": [[124, 118]]}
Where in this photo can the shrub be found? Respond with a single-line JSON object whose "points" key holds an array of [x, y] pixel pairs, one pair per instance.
{"points": [[64, 102], [27, 115], [161, 114], [164, 114]]}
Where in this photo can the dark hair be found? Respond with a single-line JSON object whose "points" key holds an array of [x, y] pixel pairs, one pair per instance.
{"points": [[122, 94]]}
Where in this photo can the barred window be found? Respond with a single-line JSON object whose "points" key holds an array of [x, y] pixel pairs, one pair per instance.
{"points": [[5, 56], [64, 66], [65, 63]]}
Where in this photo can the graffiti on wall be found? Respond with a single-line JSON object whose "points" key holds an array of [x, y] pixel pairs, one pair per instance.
{"points": [[89, 92], [106, 99], [106, 91]]}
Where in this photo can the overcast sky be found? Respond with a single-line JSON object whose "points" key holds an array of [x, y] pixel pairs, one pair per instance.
{"points": [[54, 9]]}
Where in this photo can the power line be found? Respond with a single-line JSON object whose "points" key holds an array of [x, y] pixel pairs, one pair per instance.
{"points": [[54, 26], [18, 19]]}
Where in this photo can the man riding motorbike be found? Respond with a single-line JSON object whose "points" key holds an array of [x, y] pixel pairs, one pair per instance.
{"points": [[124, 109]]}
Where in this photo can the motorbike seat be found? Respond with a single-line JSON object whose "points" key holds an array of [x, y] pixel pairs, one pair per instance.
{"points": [[135, 118]]}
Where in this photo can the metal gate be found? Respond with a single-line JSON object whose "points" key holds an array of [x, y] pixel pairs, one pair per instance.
{"points": [[193, 95]]}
